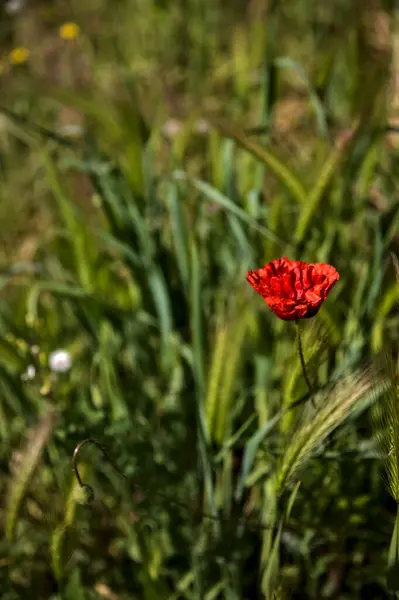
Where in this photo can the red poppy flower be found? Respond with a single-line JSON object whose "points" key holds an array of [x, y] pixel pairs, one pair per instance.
{"points": [[293, 289]]}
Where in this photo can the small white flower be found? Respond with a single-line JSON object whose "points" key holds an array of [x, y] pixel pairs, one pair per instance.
{"points": [[201, 126], [60, 361], [171, 128], [13, 7], [72, 130], [29, 373]]}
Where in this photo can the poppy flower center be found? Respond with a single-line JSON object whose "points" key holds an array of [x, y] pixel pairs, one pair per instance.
{"points": [[296, 284]]}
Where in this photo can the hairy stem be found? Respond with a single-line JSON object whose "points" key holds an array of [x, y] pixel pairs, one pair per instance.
{"points": [[302, 360]]}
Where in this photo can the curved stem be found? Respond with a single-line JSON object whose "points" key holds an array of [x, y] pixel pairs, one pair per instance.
{"points": [[75, 468], [302, 360], [171, 501]]}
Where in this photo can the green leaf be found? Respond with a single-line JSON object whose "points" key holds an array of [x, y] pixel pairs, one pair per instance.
{"points": [[160, 296], [121, 124], [217, 197], [74, 589], [316, 194], [179, 231], [78, 234], [285, 62], [59, 289], [251, 449], [284, 175], [29, 459], [215, 377], [10, 358], [291, 501], [269, 577]]}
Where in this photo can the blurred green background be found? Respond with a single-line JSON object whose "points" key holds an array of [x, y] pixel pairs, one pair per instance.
{"points": [[151, 151]]}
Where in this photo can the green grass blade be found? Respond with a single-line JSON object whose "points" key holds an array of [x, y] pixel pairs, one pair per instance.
{"points": [[197, 319], [236, 341], [160, 296], [316, 194], [81, 244], [179, 231], [28, 463], [251, 449], [215, 377], [213, 195], [284, 175], [285, 62], [121, 125]]}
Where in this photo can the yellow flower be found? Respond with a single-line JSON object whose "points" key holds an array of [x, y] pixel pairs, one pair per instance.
{"points": [[19, 56], [69, 31]]}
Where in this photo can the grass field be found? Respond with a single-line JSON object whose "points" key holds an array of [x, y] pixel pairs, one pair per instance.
{"points": [[151, 152]]}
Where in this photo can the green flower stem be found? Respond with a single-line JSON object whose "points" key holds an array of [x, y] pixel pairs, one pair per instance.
{"points": [[302, 360]]}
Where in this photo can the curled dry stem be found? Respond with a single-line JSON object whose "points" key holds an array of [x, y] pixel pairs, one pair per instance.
{"points": [[90, 491], [75, 463]]}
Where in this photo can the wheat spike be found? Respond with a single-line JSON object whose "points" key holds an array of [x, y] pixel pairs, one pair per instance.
{"points": [[24, 465], [332, 407]]}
